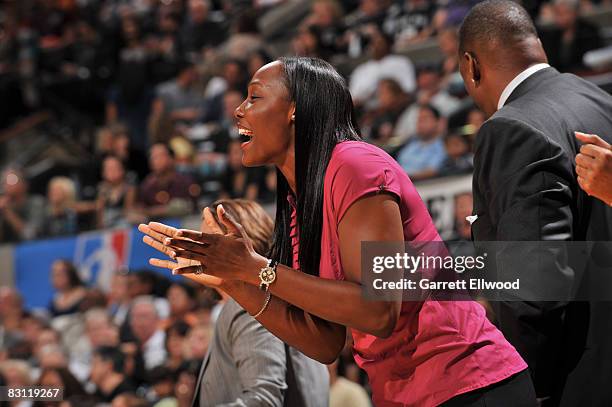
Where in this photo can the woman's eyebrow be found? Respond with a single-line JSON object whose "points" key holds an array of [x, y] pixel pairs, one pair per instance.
{"points": [[257, 82]]}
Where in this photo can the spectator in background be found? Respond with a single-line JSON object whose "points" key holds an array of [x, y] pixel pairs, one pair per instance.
{"points": [[11, 316], [459, 158], [177, 101], [134, 160], [60, 217], [130, 100], [165, 192], [462, 230], [239, 181], [182, 299], [129, 400], [392, 102], [307, 42], [184, 388], [475, 119], [161, 380], [197, 342], [344, 392], [233, 77], [368, 13], [364, 79], [430, 92], [201, 32], [16, 373], [116, 196], [107, 373], [164, 46], [145, 282], [409, 22], [119, 297], [256, 60], [99, 331], [423, 155], [448, 41], [69, 289], [570, 37], [245, 36], [326, 16], [214, 149], [144, 322], [21, 214], [59, 378], [176, 336]]}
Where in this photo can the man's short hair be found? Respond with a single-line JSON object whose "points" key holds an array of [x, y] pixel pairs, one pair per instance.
{"points": [[495, 21]]}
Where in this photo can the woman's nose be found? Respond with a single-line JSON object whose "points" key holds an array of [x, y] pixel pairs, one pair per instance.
{"points": [[238, 113]]}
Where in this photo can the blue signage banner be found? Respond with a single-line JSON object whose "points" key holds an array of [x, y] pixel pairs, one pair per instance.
{"points": [[97, 255]]}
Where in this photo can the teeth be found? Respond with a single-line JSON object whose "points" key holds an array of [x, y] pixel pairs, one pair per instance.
{"points": [[245, 132]]}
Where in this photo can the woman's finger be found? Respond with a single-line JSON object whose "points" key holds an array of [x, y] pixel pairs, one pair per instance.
{"points": [[148, 231], [188, 234], [163, 229], [211, 222], [168, 251], [189, 269], [189, 255], [186, 245], [592, 139], [166, 264], [230, 223]]}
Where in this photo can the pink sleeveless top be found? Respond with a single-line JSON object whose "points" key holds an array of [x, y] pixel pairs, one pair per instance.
{"points": [[439, 349]]}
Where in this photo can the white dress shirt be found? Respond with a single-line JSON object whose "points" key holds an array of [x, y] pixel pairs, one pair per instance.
{"points": [[518, 79]]}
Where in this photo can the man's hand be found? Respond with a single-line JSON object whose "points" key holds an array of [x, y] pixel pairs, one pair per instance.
{"points": [[594, 167]]}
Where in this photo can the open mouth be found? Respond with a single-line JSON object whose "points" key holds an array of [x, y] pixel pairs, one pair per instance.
{"points": [[246, 135]]}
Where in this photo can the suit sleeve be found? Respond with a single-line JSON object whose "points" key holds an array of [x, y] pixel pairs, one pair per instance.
{"points": [[260, 360], [527, 183]]}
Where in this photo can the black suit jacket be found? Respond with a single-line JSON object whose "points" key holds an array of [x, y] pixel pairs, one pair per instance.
{"points": [[525, 189]]}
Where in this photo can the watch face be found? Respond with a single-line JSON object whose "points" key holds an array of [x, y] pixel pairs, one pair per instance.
{"points": [[267, 275]]}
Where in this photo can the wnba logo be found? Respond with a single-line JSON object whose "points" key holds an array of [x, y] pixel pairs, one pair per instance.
{"points": [[99, 255]]}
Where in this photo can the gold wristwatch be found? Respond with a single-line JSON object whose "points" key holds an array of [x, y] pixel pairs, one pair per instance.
{"points": [[267, 275]]}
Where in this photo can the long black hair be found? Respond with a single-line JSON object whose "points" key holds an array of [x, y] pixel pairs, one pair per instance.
{"points": [[324, 116]]}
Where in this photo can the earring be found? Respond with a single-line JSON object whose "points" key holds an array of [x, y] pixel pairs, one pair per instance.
{"points": [[293, 117]]}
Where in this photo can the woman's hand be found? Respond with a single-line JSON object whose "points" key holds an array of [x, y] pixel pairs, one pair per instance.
{"points": [[182, 265], [229, 256]]}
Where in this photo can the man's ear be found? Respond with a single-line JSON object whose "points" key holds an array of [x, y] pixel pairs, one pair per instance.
{"points": [[473, 68]]}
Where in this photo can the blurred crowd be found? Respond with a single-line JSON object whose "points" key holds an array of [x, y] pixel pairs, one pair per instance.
{"points": [[148, 89], [157, 83], [139, 344]]}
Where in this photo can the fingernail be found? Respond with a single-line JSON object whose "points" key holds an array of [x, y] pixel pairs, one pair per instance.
{"points": [[173, 254], [174, 271], [167, 240], [222, 208], [179, 233]]}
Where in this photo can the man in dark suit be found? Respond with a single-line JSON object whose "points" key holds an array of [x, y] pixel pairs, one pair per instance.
{"points": [[525, 189]]}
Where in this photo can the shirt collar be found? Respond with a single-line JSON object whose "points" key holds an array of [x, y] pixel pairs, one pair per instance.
{"points": [[518, 79]]}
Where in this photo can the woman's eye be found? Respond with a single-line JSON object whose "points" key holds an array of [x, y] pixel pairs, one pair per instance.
{"points": [[253, 97]]}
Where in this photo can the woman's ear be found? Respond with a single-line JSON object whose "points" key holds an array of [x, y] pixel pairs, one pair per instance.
{"points": [[292, 113]]}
